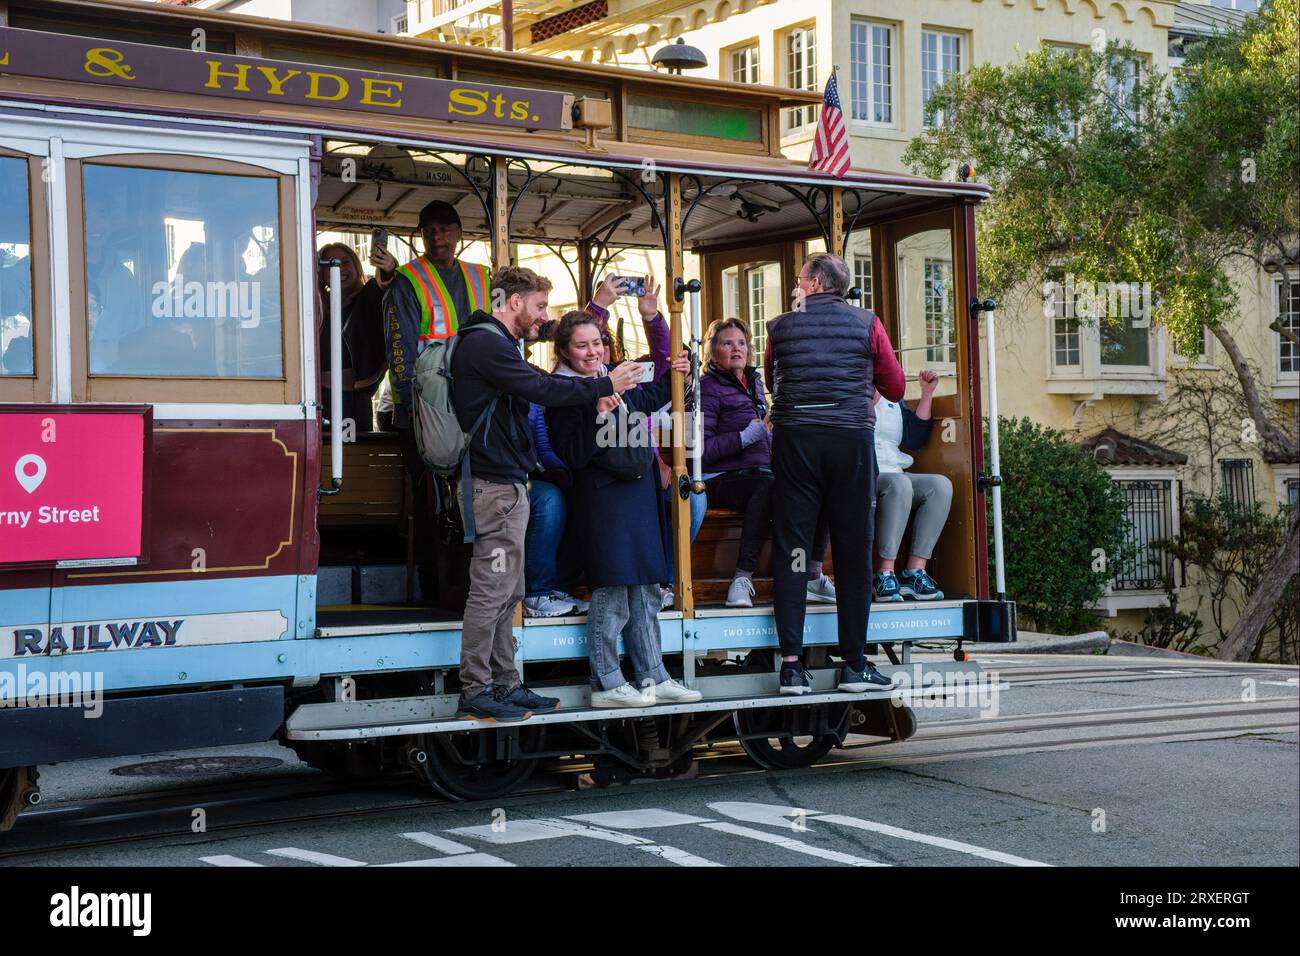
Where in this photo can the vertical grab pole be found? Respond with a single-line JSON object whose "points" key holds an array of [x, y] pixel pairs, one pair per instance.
{"points": [[697, 362], [995, 462], [336, 378]]}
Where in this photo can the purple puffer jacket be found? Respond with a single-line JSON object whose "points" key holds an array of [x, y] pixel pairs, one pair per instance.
{"points": [[728, 409]]}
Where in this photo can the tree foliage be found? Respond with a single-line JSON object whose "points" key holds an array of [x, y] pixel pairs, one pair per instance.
{"points": [[1165, 183], [1063, 524]]}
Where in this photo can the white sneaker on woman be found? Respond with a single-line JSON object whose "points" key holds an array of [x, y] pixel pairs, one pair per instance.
{"points": [[821, 591], [671, 692], [741, 593], [625, 695]]}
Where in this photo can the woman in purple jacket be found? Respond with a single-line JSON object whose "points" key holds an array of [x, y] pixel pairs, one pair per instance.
{"points": [[738, 456]]}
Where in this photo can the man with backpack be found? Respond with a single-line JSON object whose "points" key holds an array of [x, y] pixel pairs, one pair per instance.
{"points": [[490, 391]]}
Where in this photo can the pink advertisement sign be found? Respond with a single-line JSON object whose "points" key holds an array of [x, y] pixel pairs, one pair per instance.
{"points": [[71, 485]]}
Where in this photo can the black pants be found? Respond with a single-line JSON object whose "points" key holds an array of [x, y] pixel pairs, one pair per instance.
{"points": [[425, 550], [750, 491], [831, 472]]}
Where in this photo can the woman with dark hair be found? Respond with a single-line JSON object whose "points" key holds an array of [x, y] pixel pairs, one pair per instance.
{"points": [[364, 359], [617, 517], [738, 456]]}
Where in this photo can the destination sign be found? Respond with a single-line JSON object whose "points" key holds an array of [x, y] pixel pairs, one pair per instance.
{"points": [[142, 66]]}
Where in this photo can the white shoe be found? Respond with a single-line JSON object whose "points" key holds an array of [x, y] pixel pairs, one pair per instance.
{"points": [[579, 607], [671, 692], [625, 695], [821, 591], [741, 593], [546, 605], [666, 599]]}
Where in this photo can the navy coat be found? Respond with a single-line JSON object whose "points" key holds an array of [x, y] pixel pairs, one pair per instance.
{"points": [[620, 526]]}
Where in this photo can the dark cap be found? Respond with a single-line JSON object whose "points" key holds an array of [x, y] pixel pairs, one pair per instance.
{"points": [[439, 213]]}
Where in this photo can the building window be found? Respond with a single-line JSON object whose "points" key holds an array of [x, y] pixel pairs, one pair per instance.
{"points": [[940, 59], [1149, 506], [1121, 86], [871, 48], [744, 64], [1246, 6], [399, 23], [758, 310], [801, 74], [939, 337], [1068, 128], [1238, 481], [1292, 493], [1287, 300], [862, 279], [1204, 358], [16, 333], [1125, 343], [1066, 342]]}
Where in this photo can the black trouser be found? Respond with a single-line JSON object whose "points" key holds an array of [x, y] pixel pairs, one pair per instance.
{"points": [[425, 551], [750, 490], [818, 471]]}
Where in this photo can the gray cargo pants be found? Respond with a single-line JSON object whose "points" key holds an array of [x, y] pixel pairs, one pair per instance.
{"points": [[496, 586]]}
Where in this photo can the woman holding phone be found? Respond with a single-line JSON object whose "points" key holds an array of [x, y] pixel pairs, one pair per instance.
{"points": [[617, 518], [364, 359]]}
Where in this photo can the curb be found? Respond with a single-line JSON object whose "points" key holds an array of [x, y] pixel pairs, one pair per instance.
{"points": [[1031, 643]]}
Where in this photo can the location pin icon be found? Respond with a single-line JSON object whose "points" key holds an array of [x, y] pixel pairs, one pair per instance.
{"points": [[30, 482]]}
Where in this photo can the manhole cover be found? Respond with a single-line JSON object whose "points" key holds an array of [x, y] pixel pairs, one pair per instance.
{"points": [[189, 766]]}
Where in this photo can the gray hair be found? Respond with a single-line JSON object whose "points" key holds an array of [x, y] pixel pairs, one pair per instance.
{"points": [[831, 270]]}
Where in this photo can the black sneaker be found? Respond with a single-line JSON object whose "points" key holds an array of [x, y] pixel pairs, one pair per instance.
{"points": [[867, 679], [795, 679], [522, 697], [486, 706], [918, 586]]}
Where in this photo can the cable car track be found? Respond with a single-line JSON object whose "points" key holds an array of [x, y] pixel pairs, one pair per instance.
{"points": [[62, 828]]}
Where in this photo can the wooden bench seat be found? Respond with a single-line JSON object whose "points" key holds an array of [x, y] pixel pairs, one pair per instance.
{"points": [[713, 558]]}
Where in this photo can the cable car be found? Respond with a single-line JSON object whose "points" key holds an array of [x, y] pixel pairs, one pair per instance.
{"points": [[197, 553]]}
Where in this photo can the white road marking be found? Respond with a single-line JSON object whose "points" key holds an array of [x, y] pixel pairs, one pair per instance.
{"points": [[1289, 682], [312, 856], [224, 860], [788, 844], [441, 844], [637, 819], [886, 830], [463, 859], [775, 815], [680, 857]]}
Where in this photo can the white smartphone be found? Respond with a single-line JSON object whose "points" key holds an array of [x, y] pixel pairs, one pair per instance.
{"points": [[647, 371]]}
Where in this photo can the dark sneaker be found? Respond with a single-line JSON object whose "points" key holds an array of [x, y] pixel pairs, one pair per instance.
{"points": [[486, 706], [522, 697], [885, 587], [919, 586], [794, 679], [867, 679]]}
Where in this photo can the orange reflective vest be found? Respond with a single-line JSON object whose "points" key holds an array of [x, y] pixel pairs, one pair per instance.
{"points": [[438, 318]]}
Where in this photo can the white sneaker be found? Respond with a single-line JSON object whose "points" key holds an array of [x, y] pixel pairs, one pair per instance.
{"points": [[666, 599], [741, 593], [821, 591], [625, 695], [546, 605], [579, 607], [671, 692]]}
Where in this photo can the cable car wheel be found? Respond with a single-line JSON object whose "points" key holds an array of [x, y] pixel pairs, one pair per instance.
{"points": [[477, 764], [18, 789], [796, 736]]}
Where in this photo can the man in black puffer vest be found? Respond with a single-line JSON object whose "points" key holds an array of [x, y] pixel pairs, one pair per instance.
{"points": [[825, 355]]}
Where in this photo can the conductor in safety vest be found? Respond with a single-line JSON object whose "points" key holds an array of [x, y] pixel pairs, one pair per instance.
{"points": [[428, 299], [825, 356]]}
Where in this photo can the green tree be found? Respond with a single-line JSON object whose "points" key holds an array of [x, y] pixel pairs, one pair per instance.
{"points": [[1164, 180], [1064, 523]]}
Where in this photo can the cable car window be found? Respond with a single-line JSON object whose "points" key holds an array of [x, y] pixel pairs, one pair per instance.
{"points": [[183, 273], [15, 269]]}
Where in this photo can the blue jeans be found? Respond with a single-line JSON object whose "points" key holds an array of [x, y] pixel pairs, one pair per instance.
{"points": [[542, 540], [629, 611], [699, 505]]}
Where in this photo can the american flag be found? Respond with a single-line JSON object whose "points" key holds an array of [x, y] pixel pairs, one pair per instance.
{"points": [[830, 152]]}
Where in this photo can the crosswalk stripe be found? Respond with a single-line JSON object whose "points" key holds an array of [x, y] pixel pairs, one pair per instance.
{"points": [[441, 844], [312, 856], [886, 830], [462, 859], [224, 860], [835, 856]]}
